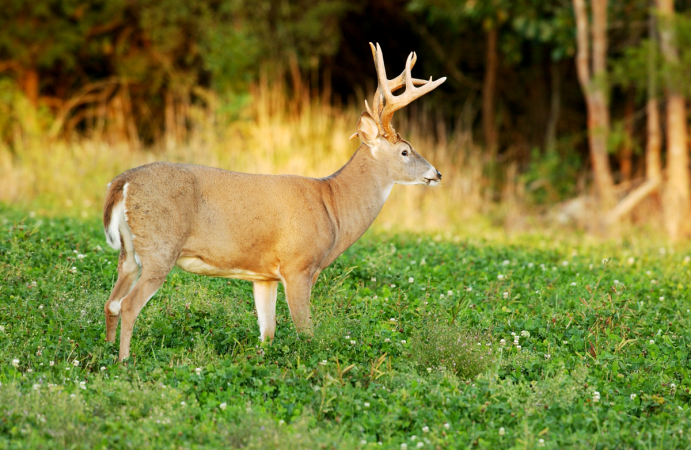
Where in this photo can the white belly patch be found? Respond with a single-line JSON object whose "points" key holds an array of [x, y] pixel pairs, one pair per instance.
{"points": [[196, 265]]}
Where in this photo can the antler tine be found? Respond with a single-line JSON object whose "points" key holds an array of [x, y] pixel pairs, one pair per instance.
{"points": [[383, 113], [394, 103]]}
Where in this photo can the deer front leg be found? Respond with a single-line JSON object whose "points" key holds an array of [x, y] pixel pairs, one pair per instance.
{"points": [[265, 293], [298, 289]]}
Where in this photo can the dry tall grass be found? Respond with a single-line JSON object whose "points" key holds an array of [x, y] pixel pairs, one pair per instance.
{"points": [[275, 134]]}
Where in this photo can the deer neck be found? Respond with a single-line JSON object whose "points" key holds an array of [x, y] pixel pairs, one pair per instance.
{"points": [[358, 192]]}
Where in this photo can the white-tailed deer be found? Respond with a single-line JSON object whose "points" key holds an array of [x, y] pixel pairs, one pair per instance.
{"points": [[260, 228]]}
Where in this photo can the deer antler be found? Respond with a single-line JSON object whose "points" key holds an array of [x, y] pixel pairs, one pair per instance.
{"points": [[385, 103]]}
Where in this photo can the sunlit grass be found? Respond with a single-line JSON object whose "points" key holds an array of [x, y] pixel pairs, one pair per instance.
{"points": [[274, 135]]}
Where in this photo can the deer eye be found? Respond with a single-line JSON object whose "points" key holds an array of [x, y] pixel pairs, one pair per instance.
{"points": [[405, 153]]}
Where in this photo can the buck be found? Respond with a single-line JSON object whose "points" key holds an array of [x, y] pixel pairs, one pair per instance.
{"points": [[260, 228]]}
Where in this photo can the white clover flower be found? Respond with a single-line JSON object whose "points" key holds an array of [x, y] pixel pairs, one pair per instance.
{"points": [[34, 284], [15, 362], [393, 319], [52, 363], [513, 333], [616, 281], [500, 277], [80, 256], [387, 340], [347, 337], [411, 280], [422, 262], [412, 262], [605, 261], [530, 264], [446, 425], [631, 260], [363, 442], [82, 385], [564, 263], [525, 333], [596, 397], [469, 289], [449, 293], [573, 283], [75, 363], [374, 279], [652, 342], [198, 370], [502, 431], [403, 341], [323, 362], [633, 396], [502, 342], [547, 356], [103, 368], [2, 328], [429, 370], [73, 270], [565, 342], [281, 422], [662, 298], [353, 342], [366, 404], [393, 286], [518, 347], [425, 429], [36, 387], [182, 403], [441, 295], [541, 443], [404, 446], [223, 406], [98, 248], [420, 444], [505, 262], [505, 295]]}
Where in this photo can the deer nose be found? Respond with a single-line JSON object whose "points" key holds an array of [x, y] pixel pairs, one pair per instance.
{"points": [[439, 175]]}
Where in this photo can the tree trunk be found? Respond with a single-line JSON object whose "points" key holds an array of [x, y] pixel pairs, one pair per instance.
{"points": [[488, 92], [554, 107], [30, 85], [626, 153], [653, 160], [676, 192], [595, 91]]}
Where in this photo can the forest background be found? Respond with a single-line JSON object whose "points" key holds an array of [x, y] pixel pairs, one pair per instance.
{"points": [[554, 112]]}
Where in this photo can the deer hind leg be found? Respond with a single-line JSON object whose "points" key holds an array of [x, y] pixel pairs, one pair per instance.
{"points": [[128, 269], [145, 288], [265, 293], [298, 289]]}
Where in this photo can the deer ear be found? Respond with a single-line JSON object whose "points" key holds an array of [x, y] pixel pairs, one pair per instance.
{"points": [[367, 129]]}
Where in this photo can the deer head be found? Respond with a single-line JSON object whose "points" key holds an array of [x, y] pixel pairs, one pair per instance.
{"points": [[375, 130]]}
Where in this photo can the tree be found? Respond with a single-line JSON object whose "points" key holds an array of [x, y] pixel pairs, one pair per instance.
{"points": [[676, 193], [594, 85]]}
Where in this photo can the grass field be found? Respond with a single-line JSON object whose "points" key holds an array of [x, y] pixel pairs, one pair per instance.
{"points": [[414, 347]]}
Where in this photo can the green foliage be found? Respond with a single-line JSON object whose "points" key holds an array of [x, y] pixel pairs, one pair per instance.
{"points": [[437, 345], [550, 176], [575, 318]]}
